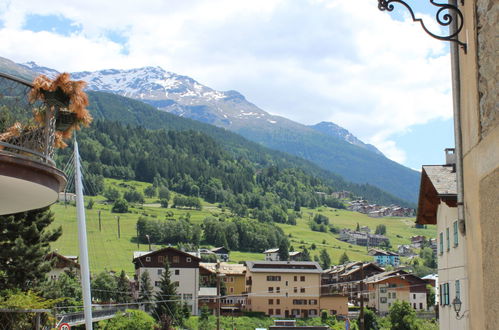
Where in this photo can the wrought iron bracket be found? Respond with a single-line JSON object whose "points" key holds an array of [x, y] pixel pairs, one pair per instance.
{"points": [[445, 16]]}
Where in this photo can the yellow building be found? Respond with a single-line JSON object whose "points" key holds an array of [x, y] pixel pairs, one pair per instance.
{"points": [[288, 289], [234, 276]]}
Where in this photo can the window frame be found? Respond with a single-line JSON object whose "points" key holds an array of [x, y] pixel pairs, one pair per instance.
{"points": [[441, 241], [447, 236], [456, 233]]}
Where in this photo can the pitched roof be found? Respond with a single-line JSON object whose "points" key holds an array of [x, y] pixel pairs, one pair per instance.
{"points": [[221, 248], [271, 250], [443, 178], [225, 268], [62, 261], [438, 183], [284, 267], [139, 254]]}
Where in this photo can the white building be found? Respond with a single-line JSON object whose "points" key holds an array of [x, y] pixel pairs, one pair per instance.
{"points": [[184, 272], [271, 254], [62, 264], [438, 205]]}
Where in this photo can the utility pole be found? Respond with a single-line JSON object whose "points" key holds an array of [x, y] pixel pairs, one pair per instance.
{"points": [[218, 294], [138, 247], [149, 241], [100, 222], [119, 232], [361, 316]]}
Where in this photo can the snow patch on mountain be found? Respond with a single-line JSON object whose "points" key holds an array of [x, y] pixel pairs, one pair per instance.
{"points": [[331, 129], [185, 97]]}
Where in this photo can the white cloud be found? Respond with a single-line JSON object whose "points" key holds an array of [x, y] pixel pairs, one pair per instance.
{"points": [[309, 61]]}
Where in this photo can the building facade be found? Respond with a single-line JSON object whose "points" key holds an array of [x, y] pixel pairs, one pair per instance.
{"points": [[289, 289], [184, 272], [62, 264], [385, 288], [345, 279], [438, 205], [272, 254], [478, 127], [384, 258]]}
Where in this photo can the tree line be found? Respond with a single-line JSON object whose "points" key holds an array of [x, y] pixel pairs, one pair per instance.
{"points": [[235, 234], [193, 164]]}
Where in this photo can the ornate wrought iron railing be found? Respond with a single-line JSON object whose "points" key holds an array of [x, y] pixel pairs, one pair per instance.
{"points": [[20, 133]]}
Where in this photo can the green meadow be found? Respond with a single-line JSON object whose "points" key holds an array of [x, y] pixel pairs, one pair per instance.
{"points": [[110, 250]]}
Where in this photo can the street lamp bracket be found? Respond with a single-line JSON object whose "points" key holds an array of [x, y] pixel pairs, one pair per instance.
{"points": [[445, 16]]}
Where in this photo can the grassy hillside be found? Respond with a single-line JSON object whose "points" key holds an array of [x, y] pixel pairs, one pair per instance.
{"points": [[108, 251]]}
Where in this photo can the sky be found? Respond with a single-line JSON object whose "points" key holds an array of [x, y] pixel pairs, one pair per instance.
{"points": [[375, 73]]}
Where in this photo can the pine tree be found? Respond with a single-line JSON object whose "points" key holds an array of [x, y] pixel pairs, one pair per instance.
{"points": [[284, 250], [305, 255], [167, 309], [344, 258], [24, 241], [145, 293], [325, 259], [123, 292]]}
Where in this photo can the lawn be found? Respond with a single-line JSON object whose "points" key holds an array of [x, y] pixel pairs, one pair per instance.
{"points": [[108, 251], [399, 231]]}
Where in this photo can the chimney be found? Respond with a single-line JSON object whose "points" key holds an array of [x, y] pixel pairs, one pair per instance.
{"points": [[450, 157]]}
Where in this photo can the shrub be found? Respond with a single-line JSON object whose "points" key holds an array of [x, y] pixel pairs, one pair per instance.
{"points": [[120, 206]]}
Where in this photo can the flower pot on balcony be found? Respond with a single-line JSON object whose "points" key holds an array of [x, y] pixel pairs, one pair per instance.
{"points": [[64, 119], [57, 98]]}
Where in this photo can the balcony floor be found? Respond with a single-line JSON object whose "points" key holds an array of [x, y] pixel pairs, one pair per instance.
{"points": [[27, 184]]}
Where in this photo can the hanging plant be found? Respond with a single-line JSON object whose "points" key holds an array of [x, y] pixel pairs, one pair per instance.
{"points": [[67, 99]]}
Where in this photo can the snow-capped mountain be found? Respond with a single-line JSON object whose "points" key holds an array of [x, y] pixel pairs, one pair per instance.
{"points": [[186, 97], [339, 132], [329, 146], [40, 69]]}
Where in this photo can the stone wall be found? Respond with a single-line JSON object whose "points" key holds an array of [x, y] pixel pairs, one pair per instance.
{"points": [[488, 62]]}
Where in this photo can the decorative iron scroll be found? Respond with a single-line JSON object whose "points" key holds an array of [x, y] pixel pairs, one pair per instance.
{"points": [[445, 16]]}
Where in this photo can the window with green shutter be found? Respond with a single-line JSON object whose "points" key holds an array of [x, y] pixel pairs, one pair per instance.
{"points": [[456, 238], [441, 241], [447, 236]]}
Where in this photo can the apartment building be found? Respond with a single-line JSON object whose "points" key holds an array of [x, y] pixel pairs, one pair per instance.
{"points": [[345, 279], [233, 277], [438, 205], [385, 288], [289, 289], [184, 272], [384, 258]]}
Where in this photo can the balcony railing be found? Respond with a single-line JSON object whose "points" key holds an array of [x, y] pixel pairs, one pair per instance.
{"points": [[27, 129]]}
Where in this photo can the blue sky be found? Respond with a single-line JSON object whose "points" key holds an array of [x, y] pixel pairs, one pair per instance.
{"points": [[375, 73]]}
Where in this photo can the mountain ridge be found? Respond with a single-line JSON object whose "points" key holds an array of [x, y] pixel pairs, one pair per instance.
{"points": [[181, 95]]}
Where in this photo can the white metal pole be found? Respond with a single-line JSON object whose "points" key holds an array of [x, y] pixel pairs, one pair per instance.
{"points": [[82, 239]]}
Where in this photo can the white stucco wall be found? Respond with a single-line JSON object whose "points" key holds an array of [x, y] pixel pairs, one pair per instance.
{"points": [[187, 278], [451, 267]]}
